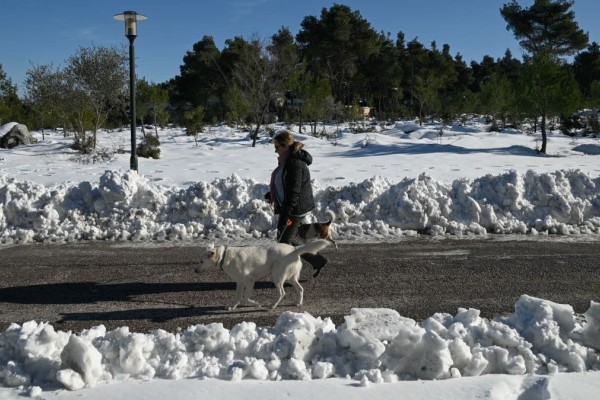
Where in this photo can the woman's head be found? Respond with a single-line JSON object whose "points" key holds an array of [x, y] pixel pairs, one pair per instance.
{"points": [[285, 140]]}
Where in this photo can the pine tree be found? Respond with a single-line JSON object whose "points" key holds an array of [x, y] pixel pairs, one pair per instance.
{"points": [[10, 104], [548, 26], [547, 31], [587, 68], [202, 80], [336, 47]]}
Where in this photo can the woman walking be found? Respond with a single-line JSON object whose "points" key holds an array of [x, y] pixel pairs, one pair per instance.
{"points": [[291, 192]]}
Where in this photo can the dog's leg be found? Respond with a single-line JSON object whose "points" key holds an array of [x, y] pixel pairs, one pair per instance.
{"points": [[299, 289], [334, 243], [239, 291], [249, 291], [281, 294]]}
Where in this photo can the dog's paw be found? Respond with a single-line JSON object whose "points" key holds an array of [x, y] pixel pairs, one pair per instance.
{"points": [[254, 303]]}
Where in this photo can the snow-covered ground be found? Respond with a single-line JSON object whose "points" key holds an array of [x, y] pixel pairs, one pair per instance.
{"points": [[400, 180], [380, 185]]}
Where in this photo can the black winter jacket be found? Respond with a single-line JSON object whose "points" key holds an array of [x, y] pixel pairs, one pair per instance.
{"points": [[298, 194]]}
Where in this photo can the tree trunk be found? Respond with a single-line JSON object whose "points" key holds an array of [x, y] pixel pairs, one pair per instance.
{"points": [[155, 125], [544, 138], [255, 134]]}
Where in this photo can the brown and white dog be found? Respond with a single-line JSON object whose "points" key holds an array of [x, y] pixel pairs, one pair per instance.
{"points": [[318, 230]]}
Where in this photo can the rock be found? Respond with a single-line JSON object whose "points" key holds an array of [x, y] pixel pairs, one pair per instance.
{"points": [[14, 134]]}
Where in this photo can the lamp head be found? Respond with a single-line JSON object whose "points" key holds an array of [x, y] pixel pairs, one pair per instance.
{"points": [[130, 18]]}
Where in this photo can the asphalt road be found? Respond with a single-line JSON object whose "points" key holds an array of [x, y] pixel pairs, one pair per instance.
{"points": [[147, 287]]}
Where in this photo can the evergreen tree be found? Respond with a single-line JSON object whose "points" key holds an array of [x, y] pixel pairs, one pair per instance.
{"points": [[202, 81], [152, 100], [425, 91], [414, 64], [482, 72], [336, 47], [509, 67], [445, 68], [594, 103], [316, 99], [193, 122], [547, 31], [551, 88], [231, 55], [237, 108], [587, 68], [461, 97], [495, 98], [10, 104], [142, 102], [382, 79], [284, 53], [548, 26]]}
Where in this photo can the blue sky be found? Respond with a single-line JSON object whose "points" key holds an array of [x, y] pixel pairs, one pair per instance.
{"points": [[37, 32]]}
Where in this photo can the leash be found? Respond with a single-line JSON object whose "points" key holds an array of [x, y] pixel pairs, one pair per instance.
{"points": [[287, 225], [222, 258]]}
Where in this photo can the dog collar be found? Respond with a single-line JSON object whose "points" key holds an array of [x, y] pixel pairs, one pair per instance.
{"points": [[222, 258]]}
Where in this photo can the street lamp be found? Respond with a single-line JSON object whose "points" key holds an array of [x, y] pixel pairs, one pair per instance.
{"points": [[131, 18]]}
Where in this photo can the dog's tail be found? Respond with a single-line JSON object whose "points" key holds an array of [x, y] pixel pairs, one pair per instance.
{"points": [[331, 216], [311, 247]]}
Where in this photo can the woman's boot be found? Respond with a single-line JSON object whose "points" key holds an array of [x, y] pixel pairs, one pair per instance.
{"points": [[317, 261]]}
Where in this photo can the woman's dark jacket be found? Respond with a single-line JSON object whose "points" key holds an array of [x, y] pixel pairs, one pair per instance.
{"points": [[298, 194]]}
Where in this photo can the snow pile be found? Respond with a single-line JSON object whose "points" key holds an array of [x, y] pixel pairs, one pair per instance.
{"points": [[126, 206], [372, 346], [4, 129]]}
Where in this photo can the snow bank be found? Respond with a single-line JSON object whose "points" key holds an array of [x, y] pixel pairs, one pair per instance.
{"points": [[4, 129], [373, 345], [126, 206]]}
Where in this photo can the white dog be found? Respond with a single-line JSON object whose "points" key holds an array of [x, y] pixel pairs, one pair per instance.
{"points": [[245, 265]]}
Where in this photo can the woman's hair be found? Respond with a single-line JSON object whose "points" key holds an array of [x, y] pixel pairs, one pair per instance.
{"points": [[286, 139]]}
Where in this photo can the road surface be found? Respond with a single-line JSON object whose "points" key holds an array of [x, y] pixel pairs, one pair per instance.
{"points": [[147, 287]]}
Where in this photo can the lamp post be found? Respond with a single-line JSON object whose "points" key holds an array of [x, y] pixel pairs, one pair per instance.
{"points": [[131, 18]]}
